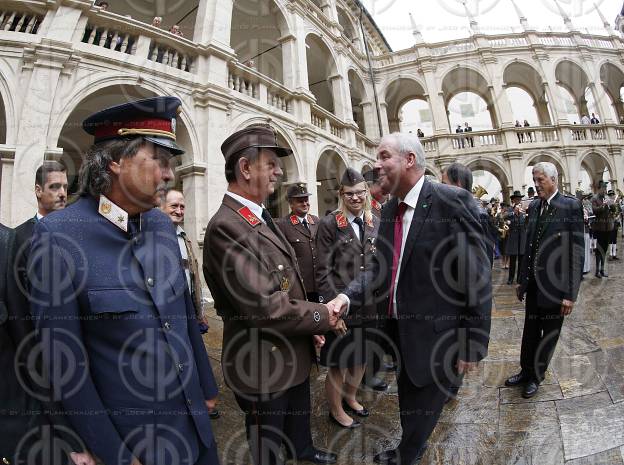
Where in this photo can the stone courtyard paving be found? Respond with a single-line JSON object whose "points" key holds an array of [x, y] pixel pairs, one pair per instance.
{"points": [[577, 417]]}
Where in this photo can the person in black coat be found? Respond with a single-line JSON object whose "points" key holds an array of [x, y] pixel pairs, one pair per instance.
{"points": [[550, 275], [516, 236], [436, 289]]}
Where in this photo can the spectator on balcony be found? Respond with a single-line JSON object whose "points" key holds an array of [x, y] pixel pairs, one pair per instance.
{"points": [[157, 21], [528, 133], [175, 30], [585, 120], [622, 119], [103, 6], [519, 133], [460, 142], [421, 134], [596, 132], [594, 119], [469, 140]]}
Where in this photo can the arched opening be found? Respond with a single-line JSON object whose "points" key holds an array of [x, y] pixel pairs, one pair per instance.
{"points": [[468, 99], [328, 173], [563, 185], [612, 79], [594, 168], [255, 32], [414, 115], [358, 95], [398, 94], [525, 92], [321, 68], [180, 12], [568, 106], [491, 177], [277, 203], [348, 29], [573, 78], [469, 108], [75, 142]]}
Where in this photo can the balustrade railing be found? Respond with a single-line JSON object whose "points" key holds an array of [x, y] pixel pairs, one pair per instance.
{"points": [[17, 21], [243, 83], [327, 121], [248, 81], [170, 55], [472, 140], [110, 37]]}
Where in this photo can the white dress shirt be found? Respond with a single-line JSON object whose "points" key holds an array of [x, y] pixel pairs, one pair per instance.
{"points": [[549, 200], [411, 199], [253, 206], [354, 226], [184, 253]]}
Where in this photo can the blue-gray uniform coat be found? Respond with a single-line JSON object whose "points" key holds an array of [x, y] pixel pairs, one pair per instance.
{"points": [[124, 358], [516, 238]]}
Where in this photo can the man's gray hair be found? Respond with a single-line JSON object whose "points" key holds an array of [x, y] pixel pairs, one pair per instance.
{"points": [[408, 143], [547, 168], [94, 177]]}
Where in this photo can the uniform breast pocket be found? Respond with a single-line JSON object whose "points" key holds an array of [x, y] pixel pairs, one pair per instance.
{"points": [[118, 303]]}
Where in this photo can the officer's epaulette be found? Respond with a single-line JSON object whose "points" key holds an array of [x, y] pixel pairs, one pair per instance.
{"points": [[294, 220], [246, 213], [341, 220], [376, 205]]}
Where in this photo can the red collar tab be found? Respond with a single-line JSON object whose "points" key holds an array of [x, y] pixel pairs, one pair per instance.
{"points": [[369, 222], [157, 127], [252, 219], [376, 205], [341, 220], [294, 220]]}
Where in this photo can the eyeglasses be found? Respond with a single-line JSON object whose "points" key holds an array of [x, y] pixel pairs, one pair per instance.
{"points": [[352, 195]]}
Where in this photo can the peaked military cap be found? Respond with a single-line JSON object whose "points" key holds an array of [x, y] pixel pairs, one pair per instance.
{"points": [[372, 175], [154, 119], [351, 177], [298, 190], [516, 195], [261, 136]]}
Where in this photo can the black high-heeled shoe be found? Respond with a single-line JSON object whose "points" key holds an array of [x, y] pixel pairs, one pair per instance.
{"points": [[353, 425], [360, 413]]}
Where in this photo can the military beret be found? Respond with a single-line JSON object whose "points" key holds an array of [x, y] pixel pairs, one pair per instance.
{"points": [[298, 190], [154, 119], [372, 175], [257, 136], [351, 177]]}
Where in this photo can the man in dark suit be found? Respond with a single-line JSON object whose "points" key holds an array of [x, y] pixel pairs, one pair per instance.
{"points": [[108, 288], [51, 192], [516, 237], [603, 226], [550, 275], [378, 197], [436, 294], [299, 228], [268, 325]]}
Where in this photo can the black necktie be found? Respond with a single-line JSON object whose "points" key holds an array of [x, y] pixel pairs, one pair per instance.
{"points": [[266, 216], [360, 224], [305, 223]]}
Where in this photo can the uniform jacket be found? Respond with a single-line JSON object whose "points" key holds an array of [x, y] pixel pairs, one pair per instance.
{"points": [[557, 263], [444, 298], [119, 304], [23, 235], [196, 284], [268, 325], [376, 208], [342, 259], [516, 236], [303, 242], [604, 221]]}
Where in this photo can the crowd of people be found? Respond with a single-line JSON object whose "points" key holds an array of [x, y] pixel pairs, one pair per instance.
{"points": [[397, 277]]}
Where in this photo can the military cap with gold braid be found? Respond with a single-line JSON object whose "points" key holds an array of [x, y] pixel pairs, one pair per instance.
{"points": [[154, 119], [298, 190]]}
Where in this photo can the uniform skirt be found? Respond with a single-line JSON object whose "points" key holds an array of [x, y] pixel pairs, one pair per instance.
{"points": [[344, 351]]}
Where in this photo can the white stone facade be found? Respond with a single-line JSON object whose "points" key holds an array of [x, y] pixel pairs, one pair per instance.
{"points": [[302, 66]]}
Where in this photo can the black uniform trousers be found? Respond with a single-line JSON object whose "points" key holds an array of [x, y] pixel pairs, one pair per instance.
{"points": [[277, 419], [602, 245], [542, 326], [420, 408]]}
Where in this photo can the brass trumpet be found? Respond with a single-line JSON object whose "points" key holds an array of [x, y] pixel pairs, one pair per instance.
{"points": [[479, 191]]}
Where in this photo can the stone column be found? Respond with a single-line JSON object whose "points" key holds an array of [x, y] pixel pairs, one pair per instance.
{"points": [[435, 98], [6, 188], [194, 188], [516, 168], [370, 119], [306, 141], [341, 105], [214, 22], [383, 107], [570, 157], [289, 60]]}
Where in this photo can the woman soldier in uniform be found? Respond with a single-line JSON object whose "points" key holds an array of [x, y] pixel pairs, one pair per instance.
{"points": [[346, 246]]}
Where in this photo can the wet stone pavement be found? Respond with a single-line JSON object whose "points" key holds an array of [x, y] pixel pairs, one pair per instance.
{"points": [[577, 417]]}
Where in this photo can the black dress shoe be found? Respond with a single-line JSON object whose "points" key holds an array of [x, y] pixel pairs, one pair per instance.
{"points": [[354, 424], [515, 380], [598, 275], [604, 274], [376, 384], [386, 456], [319, 456], [530, 389], [615, 258], [360, 413]]}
